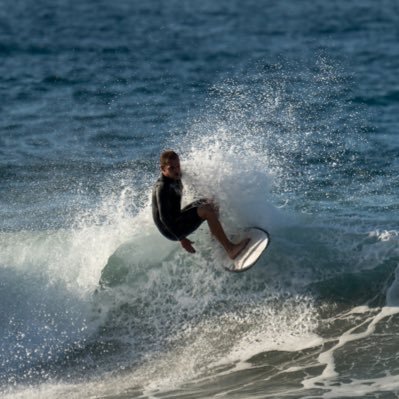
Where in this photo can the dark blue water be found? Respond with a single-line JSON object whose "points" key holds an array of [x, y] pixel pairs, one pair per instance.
{"points": [[285, 112]]}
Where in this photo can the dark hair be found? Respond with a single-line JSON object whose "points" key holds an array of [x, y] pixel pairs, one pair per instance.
{"points": [[167, 156]]}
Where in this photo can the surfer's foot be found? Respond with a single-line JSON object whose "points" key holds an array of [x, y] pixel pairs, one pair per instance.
{"points": [[235, 250]]}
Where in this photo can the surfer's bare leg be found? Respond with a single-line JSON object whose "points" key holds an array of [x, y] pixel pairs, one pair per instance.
{"points": [[207, 212]]}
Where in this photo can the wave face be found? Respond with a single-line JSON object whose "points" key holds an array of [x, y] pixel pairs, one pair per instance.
{"points": [[283, 121]]}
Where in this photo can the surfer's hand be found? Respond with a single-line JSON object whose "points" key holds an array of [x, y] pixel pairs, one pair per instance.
{"points": [[187, 245]]}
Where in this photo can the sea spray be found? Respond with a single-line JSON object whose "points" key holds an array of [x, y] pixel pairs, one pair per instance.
{"points": [[295, 125], [48, 282]]}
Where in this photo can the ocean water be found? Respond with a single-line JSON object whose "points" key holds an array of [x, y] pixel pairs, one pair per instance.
{"points": [[285, 112]]}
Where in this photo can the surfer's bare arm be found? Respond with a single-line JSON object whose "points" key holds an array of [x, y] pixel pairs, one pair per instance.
{"points": [[187, 245]]}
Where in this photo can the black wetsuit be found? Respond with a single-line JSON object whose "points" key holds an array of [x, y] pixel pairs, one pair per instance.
{"points": [[172, 221]]}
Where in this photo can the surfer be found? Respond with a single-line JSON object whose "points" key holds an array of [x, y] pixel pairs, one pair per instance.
{"points": [[176, 223]]}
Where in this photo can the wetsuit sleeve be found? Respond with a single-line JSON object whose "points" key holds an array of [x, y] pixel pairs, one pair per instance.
{"points": [[165, 210]]}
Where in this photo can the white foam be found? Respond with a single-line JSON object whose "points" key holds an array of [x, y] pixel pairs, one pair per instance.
{"points": [[326, 358], [362, 388], [51, 276], [263, 329], [261, 344], [385, 235]]}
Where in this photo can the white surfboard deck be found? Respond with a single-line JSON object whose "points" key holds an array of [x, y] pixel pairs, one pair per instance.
{"points": [[259, 240]]}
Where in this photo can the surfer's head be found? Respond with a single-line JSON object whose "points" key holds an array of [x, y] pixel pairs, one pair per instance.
{"points": [[170, 165]]}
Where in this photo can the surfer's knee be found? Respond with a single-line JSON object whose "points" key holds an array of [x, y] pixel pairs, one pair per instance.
{"points": [[206, 211]]}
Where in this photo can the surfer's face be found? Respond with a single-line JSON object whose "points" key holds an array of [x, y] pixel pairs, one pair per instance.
{"points": [[172, 169]]}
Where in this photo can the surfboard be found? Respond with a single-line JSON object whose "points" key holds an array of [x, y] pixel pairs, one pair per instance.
{"points": [[259, 240]]}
